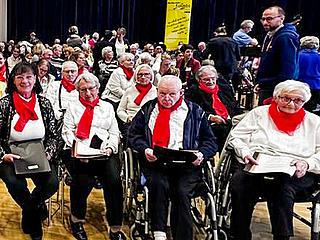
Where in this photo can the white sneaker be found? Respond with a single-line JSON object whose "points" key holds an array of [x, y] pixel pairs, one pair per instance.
{"points": [[158, 235]]}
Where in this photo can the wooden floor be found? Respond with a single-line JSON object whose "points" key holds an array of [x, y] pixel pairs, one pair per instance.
{"points": [[95, 226]]}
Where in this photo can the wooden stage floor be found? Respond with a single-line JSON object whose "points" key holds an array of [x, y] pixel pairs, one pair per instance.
{"points": [[95, 226]]}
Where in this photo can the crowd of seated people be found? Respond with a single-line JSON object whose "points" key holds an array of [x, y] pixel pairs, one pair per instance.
{"points": [[99, 87]]}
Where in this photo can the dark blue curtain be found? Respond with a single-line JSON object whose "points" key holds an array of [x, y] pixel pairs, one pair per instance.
{"points": [[145, 19]]}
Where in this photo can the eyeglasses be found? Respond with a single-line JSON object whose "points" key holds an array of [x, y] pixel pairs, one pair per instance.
{"points": [[84, 90], [143, 74], [287, 100], [43, 70], [209, 79], [70, 71], [268, 19]]}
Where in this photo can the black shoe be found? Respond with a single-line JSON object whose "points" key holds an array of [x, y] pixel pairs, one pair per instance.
{"points": [[43, 211], [36, 236], [78, 230], [117, 235]]}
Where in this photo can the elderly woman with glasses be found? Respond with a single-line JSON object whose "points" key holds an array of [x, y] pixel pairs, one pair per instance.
{"points": [[44, 76], [92, 123], [282, 133], [216, 98]]}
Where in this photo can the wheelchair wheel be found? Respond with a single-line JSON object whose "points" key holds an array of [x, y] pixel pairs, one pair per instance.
{"points": [[315, 221]]}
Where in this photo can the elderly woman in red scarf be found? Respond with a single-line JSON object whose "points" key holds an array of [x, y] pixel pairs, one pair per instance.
{"points": [[282, 133], [22, 111], [136, 96], [120, 80], [92, 123], [216, 98]]}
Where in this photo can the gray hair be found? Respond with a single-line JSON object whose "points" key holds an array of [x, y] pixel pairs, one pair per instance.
{"points": [[309, 42], [293, 85], [124, 56], [246, 24], [145, 55], [88, 77], [105, 50], [68, 63], [135, 75], [203, 69]]}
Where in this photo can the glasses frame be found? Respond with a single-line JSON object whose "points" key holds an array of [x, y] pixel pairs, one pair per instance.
{"points": [[288, 100], [269, 19]]}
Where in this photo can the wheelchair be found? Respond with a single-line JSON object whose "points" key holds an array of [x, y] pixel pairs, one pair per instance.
{"points": [[227, 165], [136, 204]]}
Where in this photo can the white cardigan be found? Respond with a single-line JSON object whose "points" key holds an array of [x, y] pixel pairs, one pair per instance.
{"points": [[127, 107], [256, 132]]}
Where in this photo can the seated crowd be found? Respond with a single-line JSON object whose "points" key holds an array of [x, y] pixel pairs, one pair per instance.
{"points": [[95, 92]]}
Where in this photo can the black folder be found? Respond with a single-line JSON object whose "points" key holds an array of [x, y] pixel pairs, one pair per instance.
{"points": [[33, 158], [167, 155]]}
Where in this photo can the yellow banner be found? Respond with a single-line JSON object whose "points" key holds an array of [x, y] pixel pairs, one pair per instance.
{"points": [[177, 23]]}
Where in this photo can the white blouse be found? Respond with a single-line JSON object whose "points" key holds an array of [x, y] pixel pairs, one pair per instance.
{"points": [[104, 125], [28, 132], [256, 132]]}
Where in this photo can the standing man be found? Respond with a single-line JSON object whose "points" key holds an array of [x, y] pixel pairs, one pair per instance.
{"points": [[170, 121], [241, 36], [225, 53], [279, 57]]}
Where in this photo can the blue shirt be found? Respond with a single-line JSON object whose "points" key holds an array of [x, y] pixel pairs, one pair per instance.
{"points": [[241, 38], [309, 64]]}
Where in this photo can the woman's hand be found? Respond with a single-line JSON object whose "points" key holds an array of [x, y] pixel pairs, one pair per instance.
{"points": [[10, 157], [249, 159], [108, 151], [301, 167], [217, 119], [149, 155], [199, 159]]}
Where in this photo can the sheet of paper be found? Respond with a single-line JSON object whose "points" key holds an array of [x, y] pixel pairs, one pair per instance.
{"points": [[273, 164]]}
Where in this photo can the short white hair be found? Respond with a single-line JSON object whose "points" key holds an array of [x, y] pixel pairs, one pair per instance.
{"points": [[88, 77], [105, 50], [64, 64], [124, 56], [176, 80], [293, 85], [135, 75], [246, 24]]}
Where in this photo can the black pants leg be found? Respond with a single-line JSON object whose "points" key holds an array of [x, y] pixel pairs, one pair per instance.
{"points": [[182, 186], [46, 184]]}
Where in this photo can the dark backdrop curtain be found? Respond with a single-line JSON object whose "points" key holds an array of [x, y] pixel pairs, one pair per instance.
{"points": [[145, 19]]}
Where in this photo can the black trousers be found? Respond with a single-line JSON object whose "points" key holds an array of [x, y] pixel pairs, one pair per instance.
{"points": [[108, 173], [178, 184], [46, 184], [280, 193]]}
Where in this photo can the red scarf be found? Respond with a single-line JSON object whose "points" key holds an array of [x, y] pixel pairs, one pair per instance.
{"points": [[25, 110], [84, 126], [68, 85], [286, 122], [143, 90], [217, 105], [127, 71], [161, 130], [3, 71]]}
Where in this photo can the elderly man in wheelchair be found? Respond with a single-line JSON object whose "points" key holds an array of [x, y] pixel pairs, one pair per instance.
{"points": [[170, 122], [280, 147]]}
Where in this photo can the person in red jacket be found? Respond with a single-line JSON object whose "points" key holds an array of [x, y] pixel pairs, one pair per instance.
{"points": [[188, 66]]}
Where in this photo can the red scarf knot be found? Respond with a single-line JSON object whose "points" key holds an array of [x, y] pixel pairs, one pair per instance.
{"points": [[3, 71], [161, 130], [84, 126], [128, 71], [286, 122], [143, 90], [25, 109], [68, 85], [217, 105]]}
